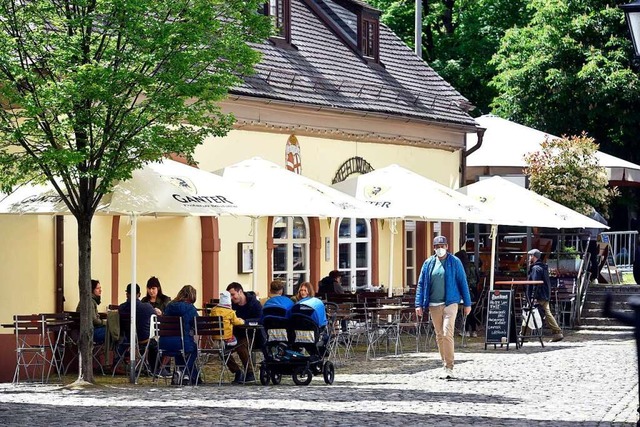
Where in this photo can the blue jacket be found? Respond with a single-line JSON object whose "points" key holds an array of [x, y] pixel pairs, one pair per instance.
{"points": [[455, 282], [188, 313]]}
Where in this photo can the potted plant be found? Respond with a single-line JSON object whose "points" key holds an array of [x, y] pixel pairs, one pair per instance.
{"points": [[568, 260]]}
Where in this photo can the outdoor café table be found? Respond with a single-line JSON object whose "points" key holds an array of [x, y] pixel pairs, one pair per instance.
{"points": [[536, 332], [251, 329]]}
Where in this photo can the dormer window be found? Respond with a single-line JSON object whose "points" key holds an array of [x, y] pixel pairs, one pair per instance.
{"points": [[369, 35], [280, 13]]}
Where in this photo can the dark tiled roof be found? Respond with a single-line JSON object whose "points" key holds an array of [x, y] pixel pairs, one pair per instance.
{"points": [[324, 71]]}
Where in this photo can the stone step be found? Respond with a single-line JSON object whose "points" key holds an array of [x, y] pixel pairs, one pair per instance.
{"points": [[614, 288], [586, 329], [601, 322], [597, 305]]}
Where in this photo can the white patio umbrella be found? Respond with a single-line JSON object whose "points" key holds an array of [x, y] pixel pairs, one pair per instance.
{"points": [[520, 206], [406, 194], [505, 144], [279, 192], [164, 188]]}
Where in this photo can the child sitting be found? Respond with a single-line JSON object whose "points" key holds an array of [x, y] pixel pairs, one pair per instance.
{"points": [[229, 318]]}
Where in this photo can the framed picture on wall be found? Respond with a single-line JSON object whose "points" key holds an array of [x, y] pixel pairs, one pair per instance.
{"points": [[245, 257]]}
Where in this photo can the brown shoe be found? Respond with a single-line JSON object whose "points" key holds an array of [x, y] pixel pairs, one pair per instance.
{"points": [[557, 337]]}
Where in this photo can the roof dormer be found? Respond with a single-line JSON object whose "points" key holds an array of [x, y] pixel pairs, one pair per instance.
{"points": [[369, 34], [280, 13], [355, 22]]}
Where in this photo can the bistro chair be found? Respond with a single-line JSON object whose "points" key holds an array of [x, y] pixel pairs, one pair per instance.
{"points": [[31, 348], [209, 335], [72, 336], [171, 327], [123, 348]]}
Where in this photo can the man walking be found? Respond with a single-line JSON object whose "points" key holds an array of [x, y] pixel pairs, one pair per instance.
{"points": [[541, 293], [441, 286]]}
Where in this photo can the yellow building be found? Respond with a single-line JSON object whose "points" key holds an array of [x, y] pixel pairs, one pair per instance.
{"points": [[336, 94]]}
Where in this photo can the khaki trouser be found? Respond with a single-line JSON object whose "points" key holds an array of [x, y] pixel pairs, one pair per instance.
{"points": [[551, 321], [444, 323]]}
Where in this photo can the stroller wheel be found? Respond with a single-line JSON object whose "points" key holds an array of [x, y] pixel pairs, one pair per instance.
{"points": [[264, 375], [329, 372], [302, 376], [276, 378]]}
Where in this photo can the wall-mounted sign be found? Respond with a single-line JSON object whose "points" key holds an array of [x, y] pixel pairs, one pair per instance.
{"points": [[354, 165]]}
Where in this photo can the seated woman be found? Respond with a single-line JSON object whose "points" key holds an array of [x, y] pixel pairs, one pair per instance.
{"points": [[182, 305], [304, 291], [155, 297], [99, 325]]}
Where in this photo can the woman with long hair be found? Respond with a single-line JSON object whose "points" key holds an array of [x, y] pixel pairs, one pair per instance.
{"points": [[155, 296], [182, 305], [99, 328], [304, 291]]}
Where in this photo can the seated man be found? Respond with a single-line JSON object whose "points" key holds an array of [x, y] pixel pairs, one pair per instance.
{"points": [[247, 307], [276, 288], [331, 284], [144, 311]]}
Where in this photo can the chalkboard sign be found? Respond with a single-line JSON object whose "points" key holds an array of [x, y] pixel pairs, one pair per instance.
{"points": [[500, 320]]}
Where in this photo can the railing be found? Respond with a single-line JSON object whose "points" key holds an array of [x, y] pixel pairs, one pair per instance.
{"points": [[623, 246]]}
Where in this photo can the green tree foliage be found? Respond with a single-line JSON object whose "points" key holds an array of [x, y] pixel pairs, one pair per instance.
{"points": [[93, 89], [566, 170], [569, 70], [459, 38]]}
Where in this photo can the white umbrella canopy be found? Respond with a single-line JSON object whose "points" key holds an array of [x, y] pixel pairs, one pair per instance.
{"points": [[505, 144], [279, 192], [164, 188], [520, 206], [406, 194]]}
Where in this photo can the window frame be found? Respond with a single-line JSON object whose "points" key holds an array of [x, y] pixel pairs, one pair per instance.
{"points": [[290, 242]]}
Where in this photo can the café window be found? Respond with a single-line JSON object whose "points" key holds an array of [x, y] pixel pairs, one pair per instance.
{"points": [[280, 13], [410, 272], [354, 253], [290, 259]]}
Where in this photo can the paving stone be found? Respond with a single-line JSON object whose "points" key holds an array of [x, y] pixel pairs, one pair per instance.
{"points": [[585, 380]]}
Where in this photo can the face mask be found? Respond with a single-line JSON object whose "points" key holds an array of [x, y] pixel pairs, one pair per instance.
{"points": [[440, 252]]}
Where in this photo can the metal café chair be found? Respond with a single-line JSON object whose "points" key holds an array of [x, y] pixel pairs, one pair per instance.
{"points": [[31, 348], [209, 334], [171, 327]]}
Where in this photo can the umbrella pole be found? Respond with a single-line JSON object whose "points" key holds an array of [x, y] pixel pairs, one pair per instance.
{"points": [[133, 299], [493, 236], [392, 231], [254, 258]]}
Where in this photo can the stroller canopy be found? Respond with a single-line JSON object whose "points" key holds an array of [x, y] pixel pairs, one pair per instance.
{"points": [[279, 306], [314, 308]]}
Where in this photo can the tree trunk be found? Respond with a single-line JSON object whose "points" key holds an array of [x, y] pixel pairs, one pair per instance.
{"points": [[85, 343]]}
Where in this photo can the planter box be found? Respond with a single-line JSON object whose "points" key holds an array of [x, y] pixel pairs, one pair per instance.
{"points": [[566, 264]]}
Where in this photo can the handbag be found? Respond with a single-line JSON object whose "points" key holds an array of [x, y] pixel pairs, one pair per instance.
{"points": [[533, 321]]}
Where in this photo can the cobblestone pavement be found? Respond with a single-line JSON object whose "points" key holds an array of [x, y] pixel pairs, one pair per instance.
{"points": [[585, 380]]}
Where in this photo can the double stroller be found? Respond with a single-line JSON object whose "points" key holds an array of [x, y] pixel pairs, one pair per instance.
{"points": [[297, 341]]}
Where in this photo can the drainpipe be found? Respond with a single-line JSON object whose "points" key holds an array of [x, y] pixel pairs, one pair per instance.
{"points": [[463, 178]]}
